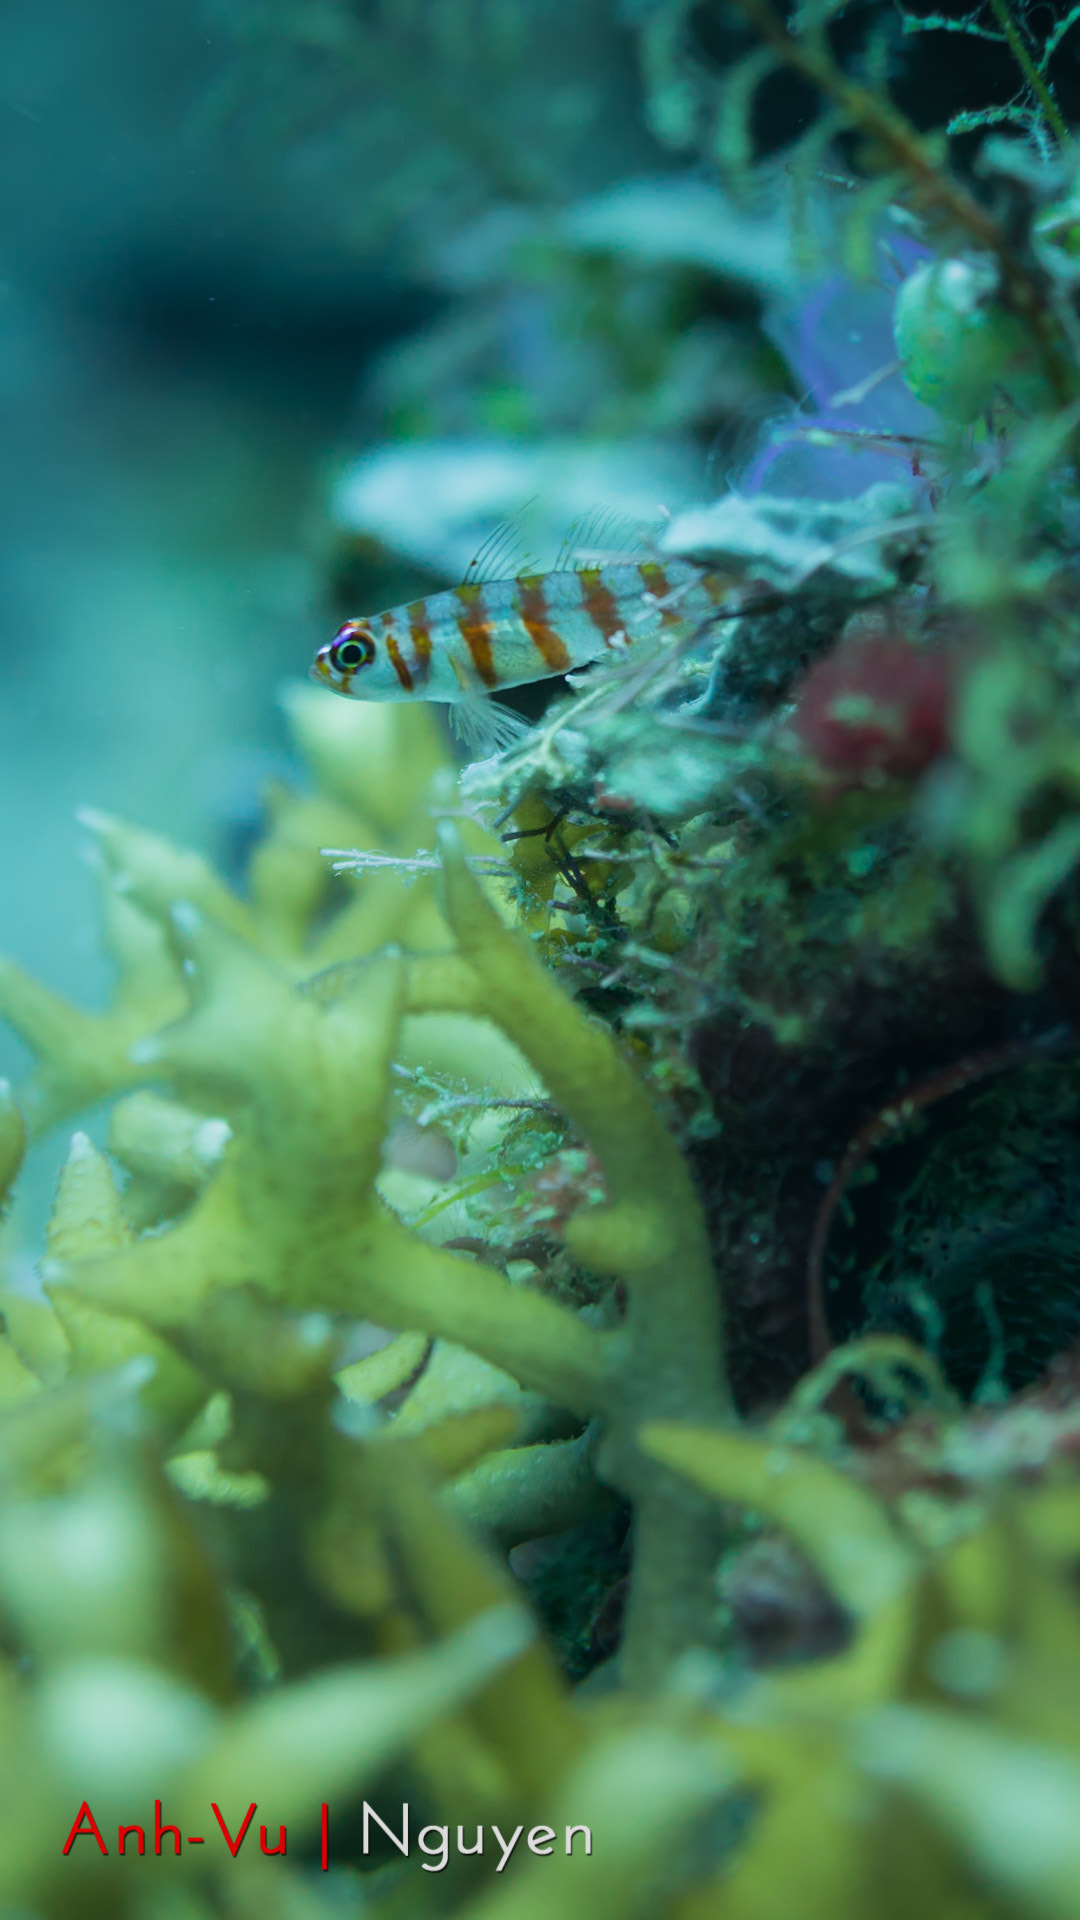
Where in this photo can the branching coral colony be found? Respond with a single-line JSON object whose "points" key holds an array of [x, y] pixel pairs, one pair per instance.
{"points": [[776, 906]]}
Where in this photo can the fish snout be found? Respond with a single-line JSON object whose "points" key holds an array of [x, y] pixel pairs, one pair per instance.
{"points": [[321, 668]]}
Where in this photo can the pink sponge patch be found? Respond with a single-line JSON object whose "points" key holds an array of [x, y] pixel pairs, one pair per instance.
{"points": [[876, 708]]}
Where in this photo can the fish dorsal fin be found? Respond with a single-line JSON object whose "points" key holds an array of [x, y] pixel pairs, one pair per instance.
{"points": [[503, 555], [603, 537]]}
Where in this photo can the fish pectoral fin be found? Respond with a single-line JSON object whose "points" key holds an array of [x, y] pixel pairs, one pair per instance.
{"points": [[484, 728], [581, 676]]}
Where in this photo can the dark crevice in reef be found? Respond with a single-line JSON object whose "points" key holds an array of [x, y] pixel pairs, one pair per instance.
{"points": [[787, 1115]]}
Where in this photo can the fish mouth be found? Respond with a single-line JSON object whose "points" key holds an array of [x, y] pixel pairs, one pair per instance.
{"points": [[320, 668]]}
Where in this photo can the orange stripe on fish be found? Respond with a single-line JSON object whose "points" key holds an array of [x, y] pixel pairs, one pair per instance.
{"points": [[420, 634], [716, 586], [393, 654], [535, 618], [477, 630], [656, 582], [601, 605]]}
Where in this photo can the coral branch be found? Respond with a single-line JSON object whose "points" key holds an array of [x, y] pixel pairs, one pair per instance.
{"points": [[521, 1493], [403, 1282], [83, 1056], [651, 1233], [525, 1715], [839, 1526]]}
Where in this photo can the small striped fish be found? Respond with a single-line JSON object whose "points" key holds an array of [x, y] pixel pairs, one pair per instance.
{"points": [[464, 645]]}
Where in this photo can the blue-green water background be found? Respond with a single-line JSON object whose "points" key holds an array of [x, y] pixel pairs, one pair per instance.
{"points": [[182, 330]]}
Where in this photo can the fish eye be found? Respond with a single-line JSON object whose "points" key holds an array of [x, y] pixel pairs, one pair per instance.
{"points": [[352, 651]]}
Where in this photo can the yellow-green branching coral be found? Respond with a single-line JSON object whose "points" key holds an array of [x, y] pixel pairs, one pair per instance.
{"points": [[638, 1795], [840, 1526], [113, 1567], [377, 762], [18, 1376], [525, 1717], [88, 1222], [382, 1372], [169, 1153], [972, 1621], [165, 1142], [323, 1736], [292, 1208], [120, 1723], [288, 877], [650, 1233], [82, 1057], [519, 1493], [1010, 1809], [262, 1158]]}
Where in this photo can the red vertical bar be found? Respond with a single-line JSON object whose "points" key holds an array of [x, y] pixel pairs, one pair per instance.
{"points": [[325, 1837]]}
